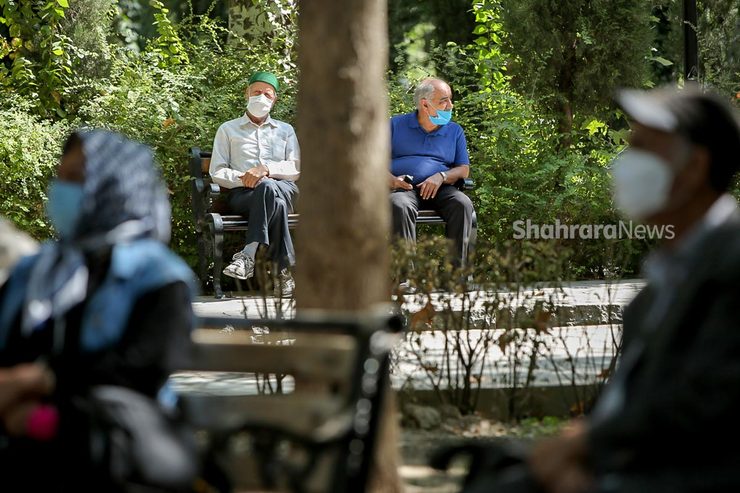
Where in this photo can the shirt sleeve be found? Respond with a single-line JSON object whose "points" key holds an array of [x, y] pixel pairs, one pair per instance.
{"points": [[220, 168], [461, 151], [290, 167]]}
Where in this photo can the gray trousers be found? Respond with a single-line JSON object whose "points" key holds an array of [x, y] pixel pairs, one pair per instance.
{"points": [[266, 207], [450, 203]]}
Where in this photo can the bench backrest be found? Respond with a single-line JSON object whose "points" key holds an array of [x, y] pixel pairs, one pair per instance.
{"points": [[319, 433]]}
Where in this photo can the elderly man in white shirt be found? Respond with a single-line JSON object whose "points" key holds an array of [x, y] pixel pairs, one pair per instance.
{"points": [[258, 159]]}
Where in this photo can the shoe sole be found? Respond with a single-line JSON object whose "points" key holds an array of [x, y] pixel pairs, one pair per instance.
{"points": [[231, 274]]}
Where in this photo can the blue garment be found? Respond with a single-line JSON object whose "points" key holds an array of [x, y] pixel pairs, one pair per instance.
{"points": [[421, 154], [136, 268]]}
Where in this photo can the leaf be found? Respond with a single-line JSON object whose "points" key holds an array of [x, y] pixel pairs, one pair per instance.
{"points": [[663, 61], [63, 3], [423, 318]]}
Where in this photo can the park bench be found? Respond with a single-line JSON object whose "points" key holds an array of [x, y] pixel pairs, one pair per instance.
{"points": [[213, 218], [319, 437]]}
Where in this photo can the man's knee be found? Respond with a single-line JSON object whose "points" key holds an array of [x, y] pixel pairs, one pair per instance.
{"points": [[267, 188], [402, 205], [462, 205], [281, 206]]}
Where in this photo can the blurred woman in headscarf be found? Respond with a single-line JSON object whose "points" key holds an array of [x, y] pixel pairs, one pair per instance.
{"points": [[106, 304]]}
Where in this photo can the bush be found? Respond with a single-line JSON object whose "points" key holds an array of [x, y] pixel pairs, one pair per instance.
{"points": [[178, 106], [29, 152]]}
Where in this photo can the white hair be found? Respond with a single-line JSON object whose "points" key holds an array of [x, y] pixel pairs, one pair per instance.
{"points": [[424, 90]]}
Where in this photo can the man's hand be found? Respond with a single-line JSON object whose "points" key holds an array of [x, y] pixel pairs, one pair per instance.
{"points": [[253, 176], [428, 188], [24, 381], [397, 182], [559, 463]]}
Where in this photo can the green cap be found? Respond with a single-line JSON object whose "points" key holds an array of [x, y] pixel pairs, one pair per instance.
{"points": [[265, 77]]}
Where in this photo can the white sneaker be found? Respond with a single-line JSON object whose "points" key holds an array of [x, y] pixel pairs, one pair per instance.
{"points": [[405, 287], [286, 285], [241, 267]]}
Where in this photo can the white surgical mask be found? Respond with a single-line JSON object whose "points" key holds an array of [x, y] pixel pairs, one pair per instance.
{"points": [[641, 183], [259, 106]]}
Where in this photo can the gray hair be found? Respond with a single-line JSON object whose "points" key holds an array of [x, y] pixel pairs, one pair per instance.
{"points": [[424, 90]]}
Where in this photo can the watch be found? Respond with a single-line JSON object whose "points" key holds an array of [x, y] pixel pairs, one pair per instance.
{"points": [[444, 176]]}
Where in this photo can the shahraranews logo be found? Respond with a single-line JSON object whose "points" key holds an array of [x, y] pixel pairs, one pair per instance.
{"points": [[527, 230]]}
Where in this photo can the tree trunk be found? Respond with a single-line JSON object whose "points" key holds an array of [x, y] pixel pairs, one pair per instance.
{"points": [[343, 129]]}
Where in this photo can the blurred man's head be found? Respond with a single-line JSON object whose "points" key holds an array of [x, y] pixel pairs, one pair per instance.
{"points": [[684, 152]]}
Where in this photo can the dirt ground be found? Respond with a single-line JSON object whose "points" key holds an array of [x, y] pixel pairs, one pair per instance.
{"points": [[417, 445]]}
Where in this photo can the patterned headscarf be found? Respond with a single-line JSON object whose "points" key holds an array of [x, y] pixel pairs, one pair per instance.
{"points": [[121, 185], [123, 199]]}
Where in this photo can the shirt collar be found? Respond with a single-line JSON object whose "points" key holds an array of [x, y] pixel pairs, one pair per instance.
{"points": [[246, 121]]}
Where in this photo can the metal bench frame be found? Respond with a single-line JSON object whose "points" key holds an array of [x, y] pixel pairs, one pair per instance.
{"points": [[211, 226]]}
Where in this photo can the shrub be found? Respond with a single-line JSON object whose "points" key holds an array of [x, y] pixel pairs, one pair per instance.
{"points": [[29, 152]]}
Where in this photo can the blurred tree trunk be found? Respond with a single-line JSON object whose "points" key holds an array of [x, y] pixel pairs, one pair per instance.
{"points": [[344, 134]]}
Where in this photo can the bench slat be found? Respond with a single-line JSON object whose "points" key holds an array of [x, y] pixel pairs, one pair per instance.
{"points": [[205, 165], [314, 356], [297, 413]]}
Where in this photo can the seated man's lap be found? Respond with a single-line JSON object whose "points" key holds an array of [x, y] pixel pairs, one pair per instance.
{"points": [[241, 200], [448, 198]]}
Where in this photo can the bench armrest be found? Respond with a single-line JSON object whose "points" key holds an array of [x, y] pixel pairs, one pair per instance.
{"points": [[465, 184], [214, 190]]}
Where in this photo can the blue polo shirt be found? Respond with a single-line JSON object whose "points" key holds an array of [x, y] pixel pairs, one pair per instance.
{"points": [[421, 154]]}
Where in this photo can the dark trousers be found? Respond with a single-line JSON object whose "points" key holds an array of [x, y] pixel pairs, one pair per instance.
{"points": [[266, 207], [450, 203]]}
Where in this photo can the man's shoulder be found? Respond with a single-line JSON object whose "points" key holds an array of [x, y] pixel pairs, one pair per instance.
{"points": [[456, 128], [234, 123], [403, 117]]}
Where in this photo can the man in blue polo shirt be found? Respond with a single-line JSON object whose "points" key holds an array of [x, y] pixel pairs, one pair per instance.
{"points": [[427, 146]]}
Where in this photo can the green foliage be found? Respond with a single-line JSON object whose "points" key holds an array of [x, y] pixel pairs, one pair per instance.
{"points": [[490, 62], [271, 25], [174, 106], [417, 28], [35, 61], [718, 33], [570, 56], [167, 48], [29, 152]]}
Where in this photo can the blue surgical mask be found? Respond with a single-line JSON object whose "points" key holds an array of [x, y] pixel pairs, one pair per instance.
{"points": [[63, 206], [443, 117]]}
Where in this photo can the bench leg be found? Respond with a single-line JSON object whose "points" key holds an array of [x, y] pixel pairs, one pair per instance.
{"points": [[202, 257], [472, 239], [217, 230]]}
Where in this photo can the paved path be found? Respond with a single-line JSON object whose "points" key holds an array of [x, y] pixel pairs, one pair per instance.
{"points": [[583, 294], [575, 350]]}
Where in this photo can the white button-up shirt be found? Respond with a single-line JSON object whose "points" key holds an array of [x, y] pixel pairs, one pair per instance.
{"points": [[241, 144]]}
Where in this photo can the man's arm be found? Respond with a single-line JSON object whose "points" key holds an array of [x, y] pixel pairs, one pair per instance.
{"points": [[290, 167], [220, 168], [429, 187]]}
